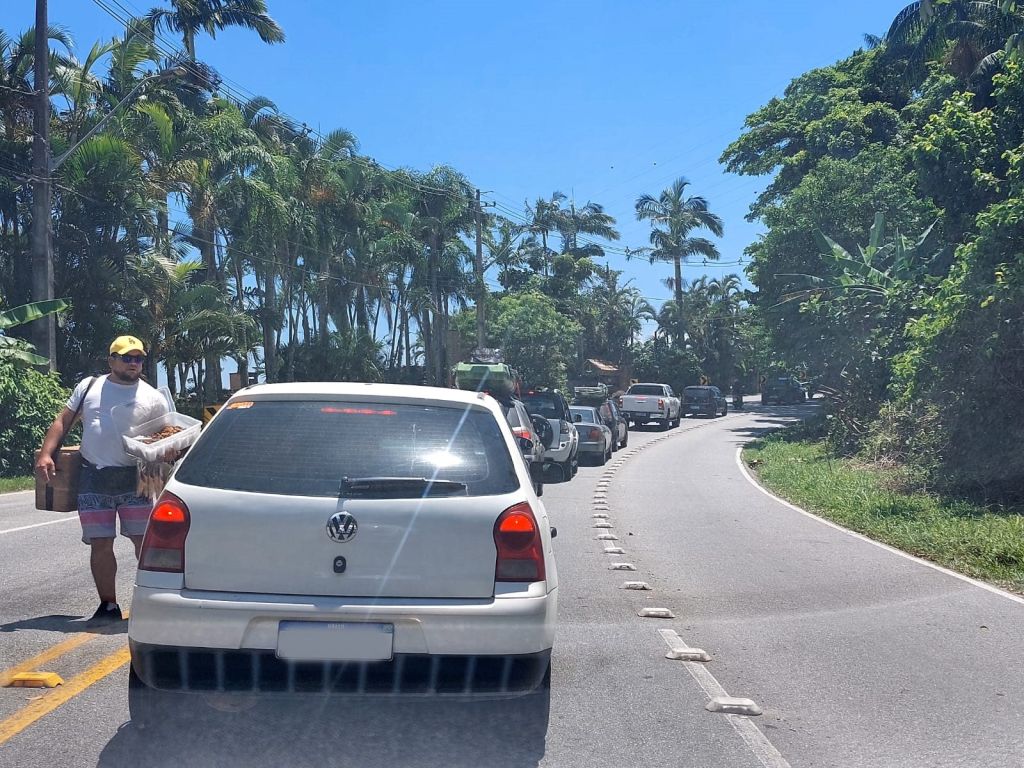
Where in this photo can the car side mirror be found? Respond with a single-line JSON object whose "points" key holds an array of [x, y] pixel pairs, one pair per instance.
{"points": [[526, 443]]}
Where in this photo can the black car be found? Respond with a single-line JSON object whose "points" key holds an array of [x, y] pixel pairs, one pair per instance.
{"points": [[705, 400], [784, 391], [617, 423]]}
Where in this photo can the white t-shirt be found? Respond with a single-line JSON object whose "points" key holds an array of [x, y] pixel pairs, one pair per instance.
{"points": [[101, 438]]}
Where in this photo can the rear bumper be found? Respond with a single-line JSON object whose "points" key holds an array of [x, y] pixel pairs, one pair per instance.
{"points": [[641, 418], [212, 670], [508, 625], [559, 452], [708, 409]]}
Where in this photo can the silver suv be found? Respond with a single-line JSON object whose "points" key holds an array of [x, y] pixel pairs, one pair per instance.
{"points": [[550, 404]]}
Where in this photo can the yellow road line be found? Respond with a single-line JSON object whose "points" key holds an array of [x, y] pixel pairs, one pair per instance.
{"points": [[45, 704], [32, 665]]}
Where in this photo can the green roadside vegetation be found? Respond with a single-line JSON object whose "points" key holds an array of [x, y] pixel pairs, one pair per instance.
{"points": [[8, 484], [877, 500]]}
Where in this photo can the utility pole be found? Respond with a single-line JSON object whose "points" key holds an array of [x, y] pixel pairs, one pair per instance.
{"points": [[478, 268], [43, 329]]}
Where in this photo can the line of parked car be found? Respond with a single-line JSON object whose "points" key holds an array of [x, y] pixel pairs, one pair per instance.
{"points": [[412, 557], [555, 437]]}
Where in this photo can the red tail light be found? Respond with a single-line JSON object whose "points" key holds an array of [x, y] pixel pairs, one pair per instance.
{"points": [[520, 549], [595, 433], [163, 548], [522, 432]]}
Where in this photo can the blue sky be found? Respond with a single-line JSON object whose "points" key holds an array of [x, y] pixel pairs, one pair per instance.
{"points": [[601, 100]]}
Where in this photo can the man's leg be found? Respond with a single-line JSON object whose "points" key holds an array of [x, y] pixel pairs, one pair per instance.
{"points": [[137, 541], [97, 514], [104, 568]]}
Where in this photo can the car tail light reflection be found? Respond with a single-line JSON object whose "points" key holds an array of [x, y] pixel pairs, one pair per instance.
{"points": [[661, 403], [594, 434], [163, 548], [520, 549]]}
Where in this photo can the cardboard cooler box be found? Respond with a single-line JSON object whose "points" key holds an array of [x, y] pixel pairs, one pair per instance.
{"points": [[61, 493]]}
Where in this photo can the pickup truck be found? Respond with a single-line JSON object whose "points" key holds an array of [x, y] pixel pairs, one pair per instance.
{"points": [[651, 402]]}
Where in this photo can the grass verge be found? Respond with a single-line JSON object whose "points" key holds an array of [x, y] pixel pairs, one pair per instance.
{"points": [[986, 543], [8, 484]]}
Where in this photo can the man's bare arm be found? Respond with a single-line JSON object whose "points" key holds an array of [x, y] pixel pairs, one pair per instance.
{"points": [[60, 427]]}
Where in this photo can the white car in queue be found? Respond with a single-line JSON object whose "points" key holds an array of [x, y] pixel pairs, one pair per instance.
{"points": [[596, 440], [349, 539]]}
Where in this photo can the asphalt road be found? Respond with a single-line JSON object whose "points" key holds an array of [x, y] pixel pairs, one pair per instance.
{"points": [[857, 656]]}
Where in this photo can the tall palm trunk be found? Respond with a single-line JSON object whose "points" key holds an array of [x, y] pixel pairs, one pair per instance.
{"points": [[362, 318], [434, 361], [267, 324]]}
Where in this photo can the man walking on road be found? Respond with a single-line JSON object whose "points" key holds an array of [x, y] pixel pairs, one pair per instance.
{"points": [[107, 484]]}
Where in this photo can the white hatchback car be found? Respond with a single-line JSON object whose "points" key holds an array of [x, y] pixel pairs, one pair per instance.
{"points": [[355, 539]]}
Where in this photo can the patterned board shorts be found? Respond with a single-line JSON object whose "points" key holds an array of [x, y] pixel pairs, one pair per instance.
{"points": [[104, 494]]}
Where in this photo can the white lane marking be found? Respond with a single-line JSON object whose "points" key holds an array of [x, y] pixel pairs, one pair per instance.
{"points": [[756, 741], [38, 525], [934, 566]]}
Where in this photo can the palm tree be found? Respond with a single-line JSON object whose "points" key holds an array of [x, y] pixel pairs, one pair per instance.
{"points": [[442, 212], [588, 220], [155, 282], [621, 310], [17, 57], [638, 310], [544, 216], [189, 17], [966, 35], [673, 217]]}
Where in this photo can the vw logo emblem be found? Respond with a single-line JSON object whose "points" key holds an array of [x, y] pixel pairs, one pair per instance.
{"points": [[342, 526]]}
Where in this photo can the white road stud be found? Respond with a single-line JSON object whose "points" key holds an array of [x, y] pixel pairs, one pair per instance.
{"points": [[614, 551], [730, 705], [688, 654], [655, 613], [602, 524], [621, 567], [636, 585]]}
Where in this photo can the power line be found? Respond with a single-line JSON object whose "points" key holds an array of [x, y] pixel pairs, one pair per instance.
{"points": [[240, 95]]}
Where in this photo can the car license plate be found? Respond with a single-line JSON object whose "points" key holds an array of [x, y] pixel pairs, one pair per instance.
{"points": [[335, 641]]}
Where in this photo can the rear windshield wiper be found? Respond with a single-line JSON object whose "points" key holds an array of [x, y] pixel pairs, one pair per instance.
{"points": [[398, 487]]}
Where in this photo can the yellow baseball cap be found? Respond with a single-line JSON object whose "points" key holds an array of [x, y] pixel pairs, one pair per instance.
{"points": [[124, 344]]}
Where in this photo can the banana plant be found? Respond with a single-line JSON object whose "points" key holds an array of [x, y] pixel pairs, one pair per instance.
{"points": [[19, 351], [877, 271]]}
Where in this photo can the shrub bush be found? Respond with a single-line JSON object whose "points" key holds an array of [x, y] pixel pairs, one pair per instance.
{"points": [[29, 400]]}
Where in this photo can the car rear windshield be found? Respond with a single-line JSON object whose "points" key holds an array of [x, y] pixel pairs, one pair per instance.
{"points": [[306, 448], [546, 404], [512, 416], [589, 414], [697, 393], [646, 389]]}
